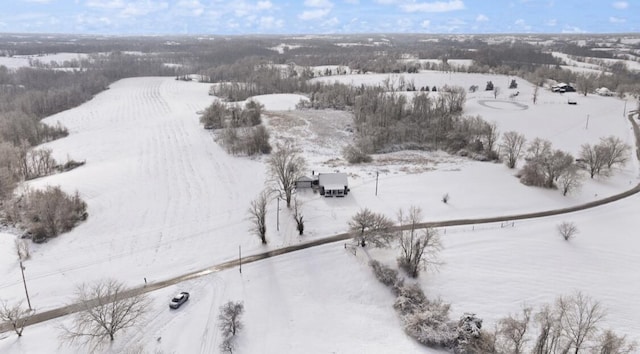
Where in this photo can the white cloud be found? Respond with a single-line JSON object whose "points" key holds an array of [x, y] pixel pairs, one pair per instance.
{"points": [[425, 24], [436, 6], [264, 5], [522, 24], [332, 22], [482, 18], [270, 22], [386, 2], [572, 29], [314, 14], [318, 3], [192, 7], [106, 4], [355, 2], [142, 8], [613, 19], [83, 19], [620, 5], [403, 24], [320, 9]]}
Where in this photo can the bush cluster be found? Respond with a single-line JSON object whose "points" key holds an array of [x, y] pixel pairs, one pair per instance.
{"points": [[47, 213]]}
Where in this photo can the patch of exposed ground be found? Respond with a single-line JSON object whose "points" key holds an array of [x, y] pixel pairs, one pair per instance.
{"points": [[322, 134]]}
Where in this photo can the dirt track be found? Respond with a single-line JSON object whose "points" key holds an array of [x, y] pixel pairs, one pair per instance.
{"points": [[63, 311]]}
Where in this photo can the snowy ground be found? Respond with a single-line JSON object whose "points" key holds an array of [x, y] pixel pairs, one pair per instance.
{"points": [[19, 61], [164, 199]]}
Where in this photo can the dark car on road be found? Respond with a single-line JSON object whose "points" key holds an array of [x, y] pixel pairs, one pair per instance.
{"points": [[179, 299]]}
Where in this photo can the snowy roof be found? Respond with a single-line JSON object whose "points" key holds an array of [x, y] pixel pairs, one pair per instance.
{"points": [[332, 179], [304, 179]]}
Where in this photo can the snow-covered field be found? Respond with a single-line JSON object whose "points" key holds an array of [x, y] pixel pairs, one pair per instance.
{"points": [[20, 61], [590, 67], [164, 199]]}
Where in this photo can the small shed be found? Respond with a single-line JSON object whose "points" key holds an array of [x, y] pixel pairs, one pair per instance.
{"points": [[333, 184], [304, 182]]}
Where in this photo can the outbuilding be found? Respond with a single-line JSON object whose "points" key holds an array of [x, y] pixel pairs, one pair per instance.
{"points": [[304, 182]]}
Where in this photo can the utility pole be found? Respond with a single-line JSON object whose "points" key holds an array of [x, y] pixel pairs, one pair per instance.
{"points": [[240, 257], [587, 124], [25, 285], [624, 113], [376, 183], [278, 216]]}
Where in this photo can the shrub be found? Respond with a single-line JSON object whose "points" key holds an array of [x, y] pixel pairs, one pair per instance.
{"points": [[384, 274], [354, 154], [430, 325], [49, 212], [410, 298]]}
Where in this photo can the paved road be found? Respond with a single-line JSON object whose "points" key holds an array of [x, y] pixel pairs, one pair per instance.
{"points": [[69, 309]]}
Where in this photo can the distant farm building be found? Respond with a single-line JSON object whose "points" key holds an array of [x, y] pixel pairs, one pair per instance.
{"points": [[333, 184]]}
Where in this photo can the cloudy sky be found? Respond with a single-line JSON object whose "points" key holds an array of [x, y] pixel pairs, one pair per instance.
{"points": [[318, 16]]}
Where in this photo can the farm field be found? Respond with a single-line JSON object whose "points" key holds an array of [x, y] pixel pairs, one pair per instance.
{"points": [[165, 199]]}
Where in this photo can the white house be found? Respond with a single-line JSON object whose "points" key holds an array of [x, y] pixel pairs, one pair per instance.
{"points": [[333, 184]]}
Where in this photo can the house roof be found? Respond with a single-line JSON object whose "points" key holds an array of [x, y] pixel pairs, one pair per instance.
{"points": [[304, 179], [333, 179]]}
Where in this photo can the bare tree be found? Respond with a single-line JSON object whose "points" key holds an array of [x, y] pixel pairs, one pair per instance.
{"points": [[285, 166], [544, 165], [567, 230], [17, 316], [417, 247], [490, 135], [297, 216], [593, 158], [106, 309], [511, 147], [549, 330], [8, 182], [616, 152], [496, 91], [535, 94], [513, 330], [228, 345], [581, 314], [367, 226], [570, 180], [258, 216], [585, 84], [229, 318], [610, 343], [229, 324]]}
